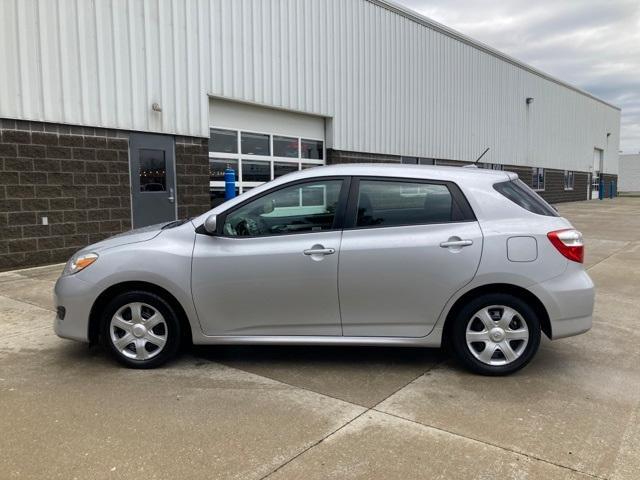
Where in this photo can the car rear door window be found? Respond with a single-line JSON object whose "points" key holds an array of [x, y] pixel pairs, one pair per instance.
{"points": [[387, 203], [519, 193]]}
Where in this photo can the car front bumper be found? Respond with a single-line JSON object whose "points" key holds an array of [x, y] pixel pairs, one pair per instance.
{"points": [[569, 300], [77, 297]]}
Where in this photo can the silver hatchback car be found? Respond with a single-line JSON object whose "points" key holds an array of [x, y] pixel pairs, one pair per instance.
{"points": [[341, 255]]}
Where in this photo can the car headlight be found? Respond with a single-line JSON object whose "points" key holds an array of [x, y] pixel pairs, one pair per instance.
{"points": [[79, 262]]}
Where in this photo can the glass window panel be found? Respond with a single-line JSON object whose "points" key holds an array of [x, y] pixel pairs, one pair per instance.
{"points": [[538, 178], [521, 194], [216, 194], [225, 141], [386, 204], [285, 147], [301, 208], [311, 149], [152, 171], [409, 160], [256, 171], [255, 144], [308, 165], [282, 168], [427, 161], [217, 166]]}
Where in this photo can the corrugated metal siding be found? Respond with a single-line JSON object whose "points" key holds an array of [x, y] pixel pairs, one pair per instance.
{"points": [[629, 176], [389, 84]]}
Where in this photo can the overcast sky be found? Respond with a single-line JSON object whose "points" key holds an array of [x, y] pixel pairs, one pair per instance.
{"points": [[593, 44]]}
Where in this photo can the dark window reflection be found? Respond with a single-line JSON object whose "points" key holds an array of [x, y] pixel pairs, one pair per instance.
{"points": [[255, 144], [311, 149], [281, 168], [152, 171], [285, 147], [225, 141], [217, 166], [255, 171], [217, 196]]}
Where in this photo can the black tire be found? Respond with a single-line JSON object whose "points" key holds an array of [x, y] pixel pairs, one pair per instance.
{"points": [[462, 351], [170, 330]]}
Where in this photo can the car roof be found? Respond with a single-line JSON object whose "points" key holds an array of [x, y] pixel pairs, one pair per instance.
{"points": [[431, 172]]}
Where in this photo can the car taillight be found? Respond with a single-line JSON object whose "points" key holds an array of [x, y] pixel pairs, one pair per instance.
{"points": [[569, 243]]}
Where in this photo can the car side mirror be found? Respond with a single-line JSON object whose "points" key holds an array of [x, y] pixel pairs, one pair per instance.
{"points": [[211, 224], [269, 206]]}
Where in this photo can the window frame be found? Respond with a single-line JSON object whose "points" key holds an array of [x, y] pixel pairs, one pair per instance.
{"points": [[338, 220], [569, 180], [239, 156], [534, 174], [457, 196]]}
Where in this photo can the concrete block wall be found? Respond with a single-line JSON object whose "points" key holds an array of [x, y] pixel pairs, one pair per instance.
{"points": [[554, 191], [192, 176], [76, 177]]}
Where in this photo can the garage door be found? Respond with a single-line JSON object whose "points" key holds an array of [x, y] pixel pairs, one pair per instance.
{"points": [[260, 144]]}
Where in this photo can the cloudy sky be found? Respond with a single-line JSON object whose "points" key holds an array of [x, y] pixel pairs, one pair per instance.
{"points": [[593, 44]]}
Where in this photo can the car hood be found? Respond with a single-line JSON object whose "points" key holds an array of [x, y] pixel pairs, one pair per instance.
{"points": [[132, 236]]}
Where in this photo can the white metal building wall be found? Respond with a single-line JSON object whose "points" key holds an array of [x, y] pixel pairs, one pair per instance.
{"points": [[629, 176], [389, 83]]}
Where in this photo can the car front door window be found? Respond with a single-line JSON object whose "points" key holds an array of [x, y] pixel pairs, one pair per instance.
{"points": [[300, 208]]}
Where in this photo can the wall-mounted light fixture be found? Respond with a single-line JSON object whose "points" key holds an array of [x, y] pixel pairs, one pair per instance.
{"points": [[529, 100], [608, 134], [156, 107]]}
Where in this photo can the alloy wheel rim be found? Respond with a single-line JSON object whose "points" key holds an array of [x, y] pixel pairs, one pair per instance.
{"points": [[497, 335], [138, 331]]}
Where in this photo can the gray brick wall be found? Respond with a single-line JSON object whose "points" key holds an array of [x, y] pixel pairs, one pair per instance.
{"points": [[192, 176], [554, 191], [76, 177]]}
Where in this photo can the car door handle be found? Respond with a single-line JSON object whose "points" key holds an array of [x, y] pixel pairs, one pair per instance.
{"points": [[456, 243], [319, 251]]}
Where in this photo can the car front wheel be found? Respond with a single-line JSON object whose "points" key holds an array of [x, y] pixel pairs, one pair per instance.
{"points": [[140, 329], [496, 334]]}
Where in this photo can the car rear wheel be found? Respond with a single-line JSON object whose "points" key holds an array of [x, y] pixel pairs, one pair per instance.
{"points": [[140, 329], [496, 334]]}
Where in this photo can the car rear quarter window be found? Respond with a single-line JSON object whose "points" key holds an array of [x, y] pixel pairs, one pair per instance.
{"points": [[519, 193]]}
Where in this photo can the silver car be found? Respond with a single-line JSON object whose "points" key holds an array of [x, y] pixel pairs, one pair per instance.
{"points": [[341, 255]]}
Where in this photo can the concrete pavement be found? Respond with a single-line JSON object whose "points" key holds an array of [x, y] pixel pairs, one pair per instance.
{"points": [[67, 411]]}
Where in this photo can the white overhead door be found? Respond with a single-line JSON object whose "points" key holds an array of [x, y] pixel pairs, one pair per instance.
{"points": [[260, 144]]}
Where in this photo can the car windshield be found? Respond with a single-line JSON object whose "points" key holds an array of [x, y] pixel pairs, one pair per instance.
{"points": [[519, 193]]}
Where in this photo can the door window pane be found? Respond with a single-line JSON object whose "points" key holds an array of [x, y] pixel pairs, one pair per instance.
{"points": [[216, 196], [537, 178], [301, 208], [217, 166], [285, 147], [255, 144], [152, 171], [281, 168], [255, 171], [225, 141], [390, 203], [308, 165], [311, 149]]}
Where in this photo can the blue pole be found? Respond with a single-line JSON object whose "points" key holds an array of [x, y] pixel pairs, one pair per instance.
{"points": [[601, 190], [229, 184], [611, 189]]}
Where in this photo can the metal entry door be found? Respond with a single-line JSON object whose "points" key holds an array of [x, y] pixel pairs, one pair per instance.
{"points": [[153, 178]]}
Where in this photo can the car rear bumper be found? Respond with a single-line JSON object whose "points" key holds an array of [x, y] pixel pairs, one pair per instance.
{"points": [[569, 300], [76, 296]]}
